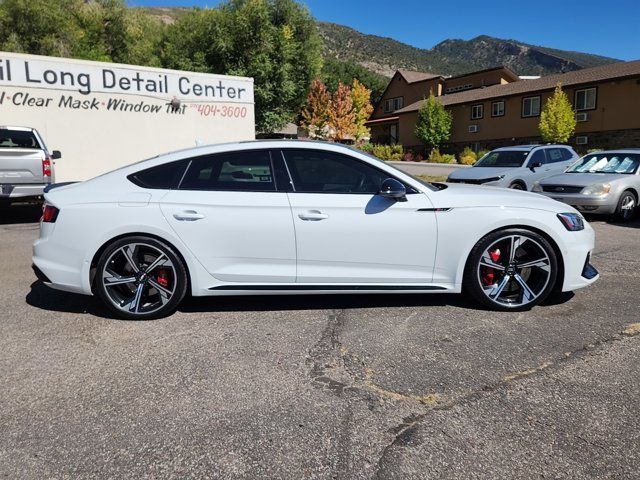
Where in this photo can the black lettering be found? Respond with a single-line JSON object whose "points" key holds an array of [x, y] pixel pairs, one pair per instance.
{"points": [[17, 98], [94, 104], [138, 80], [27, 76], [65, 102], [186, 90], [50, 77], [1, 98], [231, 92], [84, 80], [220, 88], [125, 83], [111, 82], [240, 90]]}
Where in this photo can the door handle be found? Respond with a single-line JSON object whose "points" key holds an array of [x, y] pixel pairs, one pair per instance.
{"points": [[313, 215], [188, 216]]}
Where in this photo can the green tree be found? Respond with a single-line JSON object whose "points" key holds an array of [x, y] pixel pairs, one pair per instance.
{"points": [[362, 109], [557, 119], [434, 123], [274, 41], [335, 71]]}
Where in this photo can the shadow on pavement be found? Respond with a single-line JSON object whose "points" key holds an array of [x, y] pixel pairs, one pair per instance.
{"points": [[47, 298], [20, 213]]}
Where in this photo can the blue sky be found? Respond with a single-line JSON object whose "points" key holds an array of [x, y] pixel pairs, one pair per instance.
{"points": [[609, 28]]}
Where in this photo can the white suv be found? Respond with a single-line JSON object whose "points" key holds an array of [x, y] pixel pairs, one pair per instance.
{"points": [[517, 167]]}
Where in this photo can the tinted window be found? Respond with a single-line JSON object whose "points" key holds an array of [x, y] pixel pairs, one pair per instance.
{"points": [[18, 139], [162, 177], [568, 154], [503, 158], [317, 171], [244, 171], [538, 157], [555, 155]]}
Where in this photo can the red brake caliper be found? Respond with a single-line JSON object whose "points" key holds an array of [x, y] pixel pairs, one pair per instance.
{"points": [[163, 277], [488, 276]]}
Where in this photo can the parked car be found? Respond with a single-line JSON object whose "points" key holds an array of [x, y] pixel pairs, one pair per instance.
{"points": [[601, 183], [273, 217], [26, 165], [517, 167]]}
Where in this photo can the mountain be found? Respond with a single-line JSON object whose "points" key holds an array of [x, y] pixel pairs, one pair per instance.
{"points": [[451, 57]]}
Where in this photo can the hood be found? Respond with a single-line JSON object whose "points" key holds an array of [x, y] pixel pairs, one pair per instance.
{"points": [[461, 196], [478, 173], [583, 179]]}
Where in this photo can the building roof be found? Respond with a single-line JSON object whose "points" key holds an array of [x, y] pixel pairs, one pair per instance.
{"points": [[507, 70], [412, 77], [578, 77]]}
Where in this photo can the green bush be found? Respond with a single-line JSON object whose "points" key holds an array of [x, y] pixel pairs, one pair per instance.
{"points": [[467, 157], [366, 147], [435, 156], [448, 158], [386, 152], [481, 154]]}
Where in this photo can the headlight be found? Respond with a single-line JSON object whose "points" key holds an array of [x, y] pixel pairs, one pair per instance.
{"points": [[492, 179], [536, 187], [571, 221], [597, 189]]}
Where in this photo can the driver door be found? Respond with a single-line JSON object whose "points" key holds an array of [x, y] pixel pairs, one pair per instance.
{"points": [[347, 233]]}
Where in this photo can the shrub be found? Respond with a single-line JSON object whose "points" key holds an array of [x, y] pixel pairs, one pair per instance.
{"points": [[366, 147], [592, 150], [435, 156], [385, 152], [481, 154], [448, 158], [467, 157]]}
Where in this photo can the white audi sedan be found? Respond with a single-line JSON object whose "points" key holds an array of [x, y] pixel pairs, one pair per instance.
{"points": [[274, 217]]}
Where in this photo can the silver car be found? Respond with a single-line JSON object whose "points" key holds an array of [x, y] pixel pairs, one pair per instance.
{"points": [[605, 182], [517, 167]]}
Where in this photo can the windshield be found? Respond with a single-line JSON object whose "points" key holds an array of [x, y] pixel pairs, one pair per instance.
{"points": [[18, 139], [620, 163], [503, 158]]}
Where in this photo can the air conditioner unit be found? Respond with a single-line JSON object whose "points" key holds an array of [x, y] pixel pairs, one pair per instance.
{"points": [[582, 140], [473, 128], [582, 117]]}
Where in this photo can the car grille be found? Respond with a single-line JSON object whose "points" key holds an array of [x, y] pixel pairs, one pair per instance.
{"points": [[472, 182], [562, 188]]}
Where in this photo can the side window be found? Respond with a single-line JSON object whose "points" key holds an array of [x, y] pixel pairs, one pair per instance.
{"points": [[317, 171], [538, 157], [567, 154], [249, 170], [555, 155], [163, 177]]}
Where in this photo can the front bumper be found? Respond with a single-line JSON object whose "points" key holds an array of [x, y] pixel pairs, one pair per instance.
{"points": [[9, 191], [603, 204], [576, 255]]}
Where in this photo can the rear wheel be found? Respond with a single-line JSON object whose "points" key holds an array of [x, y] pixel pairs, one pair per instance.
{"points": [[627, 205], [140, 278], [518, 186], [512, 269]]}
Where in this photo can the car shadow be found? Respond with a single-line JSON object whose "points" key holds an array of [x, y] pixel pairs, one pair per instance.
{"points": [[47, 298], [20, 213]]}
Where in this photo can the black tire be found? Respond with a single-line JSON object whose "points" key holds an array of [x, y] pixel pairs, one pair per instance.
{"points": [[518, 186], [623, 213], [478, 278], [154, 301]]}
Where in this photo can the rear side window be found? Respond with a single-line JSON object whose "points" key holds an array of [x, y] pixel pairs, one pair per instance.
{"points": [[567, 154], [250, 170], [538, 157], [318, 171], [18, 139], [556, 155], [164, 176]]}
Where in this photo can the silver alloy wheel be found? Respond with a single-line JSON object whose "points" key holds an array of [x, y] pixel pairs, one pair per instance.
{"points": [[628, 206], [514, 271], [139, 278]]}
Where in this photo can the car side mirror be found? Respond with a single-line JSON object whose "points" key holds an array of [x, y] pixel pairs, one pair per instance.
{"points": [[55, 155], [535, 165], [392, 188]]}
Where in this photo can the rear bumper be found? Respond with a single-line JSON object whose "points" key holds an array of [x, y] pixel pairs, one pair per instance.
{"points": [[605, 204], [9, 191]]}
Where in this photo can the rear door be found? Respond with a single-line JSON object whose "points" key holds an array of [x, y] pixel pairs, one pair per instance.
{"points": [[537, 156], [21, 157], [559, 159], [229, 212], [347, 233]]}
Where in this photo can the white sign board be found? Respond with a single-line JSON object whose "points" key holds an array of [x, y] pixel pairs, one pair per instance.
{"points": [[102, 116]]}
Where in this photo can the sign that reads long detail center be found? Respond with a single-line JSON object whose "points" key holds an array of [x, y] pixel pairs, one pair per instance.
{"points": [[87, 78]]}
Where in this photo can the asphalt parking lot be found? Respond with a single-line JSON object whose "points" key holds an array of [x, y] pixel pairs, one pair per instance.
{"points": [[321, 387]]}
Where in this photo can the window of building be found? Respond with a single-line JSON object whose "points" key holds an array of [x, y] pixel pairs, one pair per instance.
{"points": [[242, 171], [477, 111], [531, 106], [585, 99], [393, 133], [317, 171], [497, 109], [393, 104]]}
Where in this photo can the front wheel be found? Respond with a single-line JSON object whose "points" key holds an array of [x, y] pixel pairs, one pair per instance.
{"points": [[512, 269], [140, 278], [626, 208]]}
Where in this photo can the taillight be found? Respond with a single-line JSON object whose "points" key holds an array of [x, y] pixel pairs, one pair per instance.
{"points": [[46, 167], [49, 213]]}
